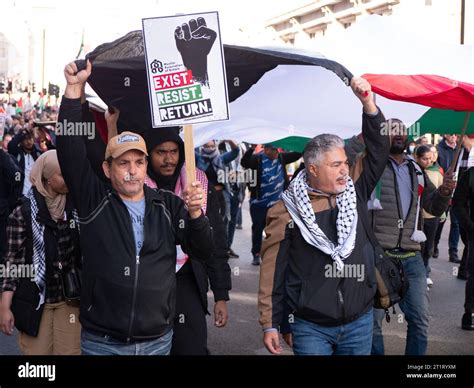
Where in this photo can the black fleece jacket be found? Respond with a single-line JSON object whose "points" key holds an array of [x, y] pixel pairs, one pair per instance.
{"points": [[127, 296]]}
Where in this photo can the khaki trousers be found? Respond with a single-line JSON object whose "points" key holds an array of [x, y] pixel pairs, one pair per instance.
{"points": [[59, 332]]}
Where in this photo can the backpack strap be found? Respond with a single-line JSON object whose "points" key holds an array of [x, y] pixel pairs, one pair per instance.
{"points": [[419, 175], [418, 234]]}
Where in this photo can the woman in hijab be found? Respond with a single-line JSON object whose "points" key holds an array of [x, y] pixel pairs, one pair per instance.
{"points": [[43, 246]]}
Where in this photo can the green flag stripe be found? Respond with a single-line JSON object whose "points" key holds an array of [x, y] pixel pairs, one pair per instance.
{"points": [[441, 121], [435, 121], [292, 143]]}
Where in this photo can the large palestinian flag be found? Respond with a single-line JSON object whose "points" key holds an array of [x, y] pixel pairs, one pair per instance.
{"points": [[119, 79], [425, 103], [446, 100], [279, 95]]}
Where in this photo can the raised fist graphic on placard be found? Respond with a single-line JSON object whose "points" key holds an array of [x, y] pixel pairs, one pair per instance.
{"points": [[194, 41]]}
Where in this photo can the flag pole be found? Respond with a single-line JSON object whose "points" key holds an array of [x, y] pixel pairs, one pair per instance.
{"points": [[454, 163], [81, 47], [189, 155]]}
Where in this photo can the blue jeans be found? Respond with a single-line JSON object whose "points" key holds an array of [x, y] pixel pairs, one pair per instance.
{"points": [[453, 232], [259, 216], [354, 338], [232, 203], [378, 348], [415, 307], [103, 345], [238, 221]]}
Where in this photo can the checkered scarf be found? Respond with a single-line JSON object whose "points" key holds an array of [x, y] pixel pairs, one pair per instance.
{"points": [[39, 259], [39, 252], [299, 206]]}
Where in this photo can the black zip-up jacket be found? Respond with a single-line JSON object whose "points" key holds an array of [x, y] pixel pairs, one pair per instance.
{"points": [[300, 276], [15, 149], [254, 162], [463, 202], [126, 296]]}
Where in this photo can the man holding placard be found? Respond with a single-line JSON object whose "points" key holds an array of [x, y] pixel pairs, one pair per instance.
{"points": [[128, 238]]}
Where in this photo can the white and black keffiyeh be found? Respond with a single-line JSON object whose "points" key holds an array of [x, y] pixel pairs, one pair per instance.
{"points": [[39, 259], [298, 204]]}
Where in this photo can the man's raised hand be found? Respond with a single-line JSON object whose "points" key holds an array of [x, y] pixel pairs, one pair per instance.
{"points": [[76, 79], [73, 76], [363, 92], [111, 118]]}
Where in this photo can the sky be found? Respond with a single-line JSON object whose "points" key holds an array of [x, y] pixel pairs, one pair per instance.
{"points": [[65, 21], [103, 21], [111, 18]]}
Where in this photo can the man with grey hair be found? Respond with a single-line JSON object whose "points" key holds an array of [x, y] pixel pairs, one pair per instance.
{"points": [[318, 263]]}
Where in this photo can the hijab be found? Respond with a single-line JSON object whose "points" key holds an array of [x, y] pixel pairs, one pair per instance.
{"points": [[44, 168]]}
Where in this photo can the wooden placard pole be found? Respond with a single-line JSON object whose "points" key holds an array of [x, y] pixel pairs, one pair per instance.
{"points": [[452, 167], [189, 155]]}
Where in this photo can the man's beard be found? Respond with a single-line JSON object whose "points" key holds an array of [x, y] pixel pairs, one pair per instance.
{"points": [[173, 166], [397, 149]]}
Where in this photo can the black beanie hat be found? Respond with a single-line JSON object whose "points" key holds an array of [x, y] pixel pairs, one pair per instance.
{"points": [[156, 136]]}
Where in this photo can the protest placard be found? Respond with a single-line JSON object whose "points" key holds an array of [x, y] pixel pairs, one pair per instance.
{"points": [[185, 68]]}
